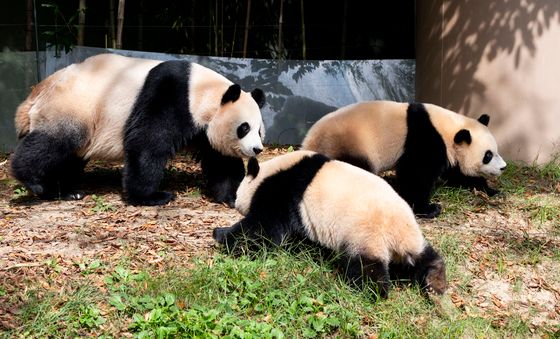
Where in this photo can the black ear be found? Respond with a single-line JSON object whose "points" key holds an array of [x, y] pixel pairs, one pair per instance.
{"points": [[253, 167], [484, 119], [463, 136], [232, 94], [259, 97]]}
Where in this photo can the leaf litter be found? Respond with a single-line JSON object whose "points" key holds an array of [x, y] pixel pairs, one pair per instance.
{"points": [[38, 238]]}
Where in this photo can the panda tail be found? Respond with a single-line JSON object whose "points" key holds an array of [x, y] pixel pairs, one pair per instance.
{"points": [[22, 118], [253, 167]]}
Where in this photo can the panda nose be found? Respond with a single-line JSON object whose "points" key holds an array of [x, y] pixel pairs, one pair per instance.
{"points": [[257, 150], [503, 168]]}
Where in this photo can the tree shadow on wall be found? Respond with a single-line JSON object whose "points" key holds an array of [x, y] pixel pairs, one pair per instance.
{"points": [[477, 32], [486, 30]]}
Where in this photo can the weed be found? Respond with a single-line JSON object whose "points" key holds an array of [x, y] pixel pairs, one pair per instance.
{"points": [[89, 267], [20, 192], [101, 205], [53, 265], [90, 317]]}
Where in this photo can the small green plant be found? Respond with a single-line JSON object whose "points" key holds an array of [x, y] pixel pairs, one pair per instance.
{"points": [[90, 317], [20, 192], [101, 205], [53, 264], [89, 267]]}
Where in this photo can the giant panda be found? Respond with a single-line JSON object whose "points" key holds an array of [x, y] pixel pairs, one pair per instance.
{"points": [[420, 141], [343, 208], [142, 111]]}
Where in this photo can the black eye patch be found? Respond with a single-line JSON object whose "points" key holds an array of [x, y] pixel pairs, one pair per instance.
{"points": [[487, 157], [242, 130]]}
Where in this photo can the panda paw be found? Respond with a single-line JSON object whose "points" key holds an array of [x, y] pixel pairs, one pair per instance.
{"points": [[491, 191], [155, 199], [219, 234], [73, 195], [431, 211]]}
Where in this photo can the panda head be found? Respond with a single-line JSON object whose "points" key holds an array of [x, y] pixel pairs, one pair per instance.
{"points": [[237, 129], [477, 151]]}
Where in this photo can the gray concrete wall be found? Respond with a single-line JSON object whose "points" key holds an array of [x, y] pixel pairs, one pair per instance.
{"points": [[18, 73], [298, 92]]}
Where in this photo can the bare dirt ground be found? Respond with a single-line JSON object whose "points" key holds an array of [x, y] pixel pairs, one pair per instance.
{"points": [[510, 264]]}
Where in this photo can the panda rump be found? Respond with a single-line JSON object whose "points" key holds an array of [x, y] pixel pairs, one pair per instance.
{"points": [[341, 207]]}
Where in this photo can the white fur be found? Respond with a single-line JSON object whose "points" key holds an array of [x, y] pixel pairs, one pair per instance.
{"points": [[345, 205], [99, 93]]}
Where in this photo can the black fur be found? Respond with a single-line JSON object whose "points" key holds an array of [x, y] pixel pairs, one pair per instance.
{"points": [[274, 207], [428, 271], [484, 119], [259, 97], [222, 174], [45, 161], [360, 269], [253, 167], [423, 161], [453, 177], [463, 136], [159, 125], [232, 94]]}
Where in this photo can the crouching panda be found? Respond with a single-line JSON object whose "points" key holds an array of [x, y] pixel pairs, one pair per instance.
{"points": [[421, 142], [112, 107], [306, 195]]}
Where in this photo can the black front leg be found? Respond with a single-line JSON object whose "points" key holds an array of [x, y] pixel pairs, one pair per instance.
{"points": [[142, 174], [453, 177], [417, 189], [244, 234], [222, 175]]}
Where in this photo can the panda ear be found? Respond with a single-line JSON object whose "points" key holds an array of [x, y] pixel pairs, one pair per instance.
{"points": [[253, 167], [463, 136], [484, 119], [232, 94], [259, 97]]}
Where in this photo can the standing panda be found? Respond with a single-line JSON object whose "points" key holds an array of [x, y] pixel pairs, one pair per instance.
{"points": [[344, 208], [420, 141], [113, 107]]}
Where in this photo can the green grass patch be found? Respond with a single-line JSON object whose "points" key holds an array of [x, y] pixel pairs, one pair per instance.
{"points": [[275, 294], [455, 201]]}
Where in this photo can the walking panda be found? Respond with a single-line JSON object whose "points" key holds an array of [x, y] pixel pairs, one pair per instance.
{"points": [[344, 208], [421, 141], [113, 107]]}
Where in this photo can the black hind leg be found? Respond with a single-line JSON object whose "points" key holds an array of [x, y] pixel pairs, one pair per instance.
{"points": [[46, 162], [428, 270], [359, 269]]}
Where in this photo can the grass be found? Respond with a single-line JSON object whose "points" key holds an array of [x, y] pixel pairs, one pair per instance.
{"points": [[271, 295], [511, 239]]}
